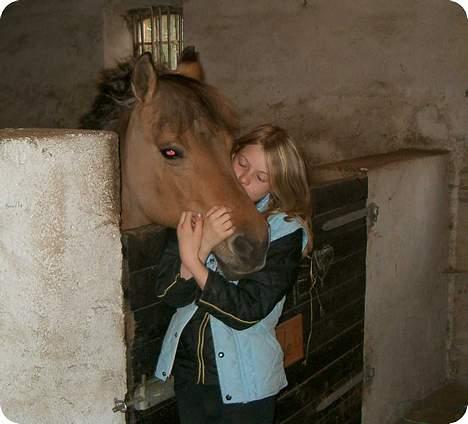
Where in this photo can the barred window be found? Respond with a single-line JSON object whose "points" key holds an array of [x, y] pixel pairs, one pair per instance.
{"points": [[159, 30]]}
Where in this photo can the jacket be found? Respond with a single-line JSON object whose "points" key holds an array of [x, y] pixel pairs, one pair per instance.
{"points": [[242, 315]]}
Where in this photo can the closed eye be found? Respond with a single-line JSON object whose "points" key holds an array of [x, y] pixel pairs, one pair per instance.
{"points": [[242, 161]]}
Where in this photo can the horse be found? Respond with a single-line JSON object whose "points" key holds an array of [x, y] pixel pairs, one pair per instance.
{"points": [[175, 138]]}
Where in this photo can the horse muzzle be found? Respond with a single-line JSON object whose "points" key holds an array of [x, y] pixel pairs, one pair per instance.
{"points": [[241, 255]]}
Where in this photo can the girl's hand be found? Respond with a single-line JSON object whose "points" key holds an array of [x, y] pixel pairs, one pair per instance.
{"points": [[189, 234], [217, 227]]}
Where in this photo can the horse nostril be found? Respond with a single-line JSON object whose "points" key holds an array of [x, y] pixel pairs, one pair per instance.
{"points": [[248, 255]]}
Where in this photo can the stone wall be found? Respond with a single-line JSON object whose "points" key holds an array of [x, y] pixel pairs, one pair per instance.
{"points": [[50, 54], [62, 358], [347, 78], [407, 286]]}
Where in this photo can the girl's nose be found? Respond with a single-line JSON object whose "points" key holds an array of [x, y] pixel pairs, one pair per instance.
{"points": [[244, 178]]}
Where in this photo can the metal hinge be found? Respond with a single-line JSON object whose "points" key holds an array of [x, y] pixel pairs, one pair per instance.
{"points": [[147, 394], [371, 213], [369, 374]]}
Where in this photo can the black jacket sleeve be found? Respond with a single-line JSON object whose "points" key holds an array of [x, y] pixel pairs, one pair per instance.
{"points": [[170, 287], [253, 298]]}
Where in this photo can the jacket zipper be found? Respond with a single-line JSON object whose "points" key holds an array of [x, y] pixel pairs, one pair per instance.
{"points": [[200, 345]]}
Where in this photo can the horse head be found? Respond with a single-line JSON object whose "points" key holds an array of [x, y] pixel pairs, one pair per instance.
{"points": [[176, 156]]}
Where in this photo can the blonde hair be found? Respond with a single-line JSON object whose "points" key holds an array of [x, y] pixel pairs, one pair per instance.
{"points": [[290, 191]]}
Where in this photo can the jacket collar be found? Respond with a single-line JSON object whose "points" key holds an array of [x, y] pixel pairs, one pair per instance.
{"points": [[278, 226]]}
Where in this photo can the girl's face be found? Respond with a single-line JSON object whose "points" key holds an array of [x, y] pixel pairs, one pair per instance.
{"points": [[251, 170]]}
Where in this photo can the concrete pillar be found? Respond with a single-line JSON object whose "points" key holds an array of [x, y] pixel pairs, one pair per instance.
{"points": [[406, 287], [458, 301], [62, 351]]}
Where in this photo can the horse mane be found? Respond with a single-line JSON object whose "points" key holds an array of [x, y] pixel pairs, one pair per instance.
{"points": [[182, 101], [114, 97]]}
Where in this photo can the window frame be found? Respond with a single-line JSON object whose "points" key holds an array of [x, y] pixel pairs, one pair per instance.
{"points": [[173, 17]]}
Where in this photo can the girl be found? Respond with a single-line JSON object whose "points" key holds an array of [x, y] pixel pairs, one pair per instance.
{"points": [[221, 345]]}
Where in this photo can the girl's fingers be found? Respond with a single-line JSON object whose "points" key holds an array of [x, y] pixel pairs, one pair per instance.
{"points": [[187, 220], [197, 230], [224, 218], [220, 211], [211, 211], [196, 217], [221, 217], [228, 225], [181, 219], [230, 231]]}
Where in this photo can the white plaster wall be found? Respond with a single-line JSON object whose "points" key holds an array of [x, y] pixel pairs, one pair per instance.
{"points": [[458, 289], [50, 54], [406, 299], [62, 354], [348, 78]]}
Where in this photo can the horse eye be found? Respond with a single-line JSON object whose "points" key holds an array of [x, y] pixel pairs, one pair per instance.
{"points": [[170, 153]]}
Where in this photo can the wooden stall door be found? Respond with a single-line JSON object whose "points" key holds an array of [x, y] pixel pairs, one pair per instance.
{"points": [[321, 329], [325, 386]]}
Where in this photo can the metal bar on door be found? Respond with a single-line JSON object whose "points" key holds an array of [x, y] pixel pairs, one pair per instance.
{"points": [[169, 50], [153, 33], [161, 53]]}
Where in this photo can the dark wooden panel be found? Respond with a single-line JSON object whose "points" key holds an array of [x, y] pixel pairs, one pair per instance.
{"points": [[321, 235], [143, 359], [325, 354], [346, 241], [329, 328], [151, 322], [344, 269], [317, 387], [141, 247], [142, 292], [339, 272], [345, 410], [335, 352], [334, 195], [325, 303], [333, 324], [335, 336], [164, 413]]}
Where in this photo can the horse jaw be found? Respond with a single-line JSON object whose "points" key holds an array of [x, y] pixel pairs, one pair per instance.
{"points": [[131, 215]]}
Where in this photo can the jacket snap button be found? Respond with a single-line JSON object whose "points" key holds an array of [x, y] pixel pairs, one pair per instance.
{"points": [[164, 373], [175, 335], [228, 397], [221, 354]]}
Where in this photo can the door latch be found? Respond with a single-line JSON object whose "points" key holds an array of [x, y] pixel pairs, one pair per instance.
{"points": [[146, 395], [371, 213]]}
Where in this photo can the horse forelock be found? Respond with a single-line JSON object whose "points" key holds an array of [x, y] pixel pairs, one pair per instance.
{"points": [[181, 103]]}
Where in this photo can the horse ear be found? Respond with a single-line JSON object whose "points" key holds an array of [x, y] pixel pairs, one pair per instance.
{"points": [[189, 65], [144, 78]]}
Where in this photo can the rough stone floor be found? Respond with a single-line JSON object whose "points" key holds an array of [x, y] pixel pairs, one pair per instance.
{"points": [[446, 405]]}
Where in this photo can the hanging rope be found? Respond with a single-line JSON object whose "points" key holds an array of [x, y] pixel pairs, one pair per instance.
{"points": [[320, 263]]}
